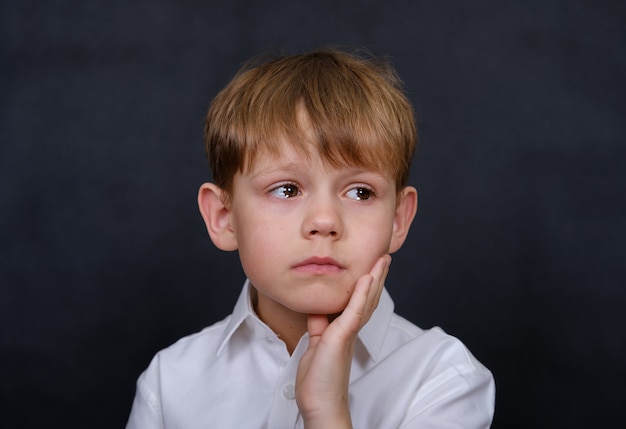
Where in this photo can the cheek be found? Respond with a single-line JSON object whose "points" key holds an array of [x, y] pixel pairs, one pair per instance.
{"points": [[374, 233], [259, 247], [368, 251]]}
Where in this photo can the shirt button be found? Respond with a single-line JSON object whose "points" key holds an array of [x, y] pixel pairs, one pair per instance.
{"points": [[289, 392]]}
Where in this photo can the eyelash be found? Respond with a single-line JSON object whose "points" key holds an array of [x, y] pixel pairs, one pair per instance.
{"points": [[370, 193], [283, 187], [280, 192]]}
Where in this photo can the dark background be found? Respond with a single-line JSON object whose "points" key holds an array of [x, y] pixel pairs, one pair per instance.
{"points": [[517, 248]]}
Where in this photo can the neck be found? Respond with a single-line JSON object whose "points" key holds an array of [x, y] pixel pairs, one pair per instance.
{"points": [[289, 325]]}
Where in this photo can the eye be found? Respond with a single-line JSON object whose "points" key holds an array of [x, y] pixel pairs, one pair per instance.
{"points": [[360, 193], [285, 191]]}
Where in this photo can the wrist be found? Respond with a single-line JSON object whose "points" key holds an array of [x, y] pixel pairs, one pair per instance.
{"points": [[336, 421], [328, 415]]}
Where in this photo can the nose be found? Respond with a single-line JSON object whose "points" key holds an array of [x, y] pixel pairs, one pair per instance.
{"points": [[323, 218]]}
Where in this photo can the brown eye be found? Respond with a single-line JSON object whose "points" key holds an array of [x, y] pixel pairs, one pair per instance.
{"points": [[285, 191], [360, 193]]}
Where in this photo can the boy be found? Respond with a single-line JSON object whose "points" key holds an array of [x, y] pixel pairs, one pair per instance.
{"points": [[310, 155]]}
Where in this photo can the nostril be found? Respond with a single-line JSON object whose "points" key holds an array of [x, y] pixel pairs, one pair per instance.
{"points": [[318, 232]]}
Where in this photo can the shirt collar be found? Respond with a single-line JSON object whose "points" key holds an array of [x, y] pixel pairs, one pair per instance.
{"points": [[242, 311], [372, 335]]}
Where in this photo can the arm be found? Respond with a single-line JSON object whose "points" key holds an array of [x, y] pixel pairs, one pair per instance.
{"points": [[463, 396], [324, 370], [146, 409]]}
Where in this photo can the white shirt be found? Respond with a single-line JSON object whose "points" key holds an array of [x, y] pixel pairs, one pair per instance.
{"points": [[238, 374]]}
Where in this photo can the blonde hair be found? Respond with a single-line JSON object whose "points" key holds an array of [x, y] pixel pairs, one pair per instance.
{"points": [[355, 107]]}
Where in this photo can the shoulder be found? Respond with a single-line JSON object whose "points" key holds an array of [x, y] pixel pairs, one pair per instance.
{"points": [[175, 367], [431, 375], [432, 345], [192, 349]]}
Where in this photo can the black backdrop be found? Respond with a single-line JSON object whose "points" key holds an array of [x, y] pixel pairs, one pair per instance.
{"points": [[517, 248]]}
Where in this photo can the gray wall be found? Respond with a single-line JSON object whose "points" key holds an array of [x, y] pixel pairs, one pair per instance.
{"points": [[517, 248]]}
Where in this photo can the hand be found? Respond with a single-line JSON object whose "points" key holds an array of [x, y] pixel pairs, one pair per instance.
{"points": [[324, 369]]}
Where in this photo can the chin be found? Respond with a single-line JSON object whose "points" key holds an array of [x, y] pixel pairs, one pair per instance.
{"points": [[331, 308]]}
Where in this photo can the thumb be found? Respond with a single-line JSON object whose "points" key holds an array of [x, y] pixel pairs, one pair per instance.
{"points": [[316, 325]]}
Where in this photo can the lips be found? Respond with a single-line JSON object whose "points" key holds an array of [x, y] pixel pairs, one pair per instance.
{"points": [[318, 265]]}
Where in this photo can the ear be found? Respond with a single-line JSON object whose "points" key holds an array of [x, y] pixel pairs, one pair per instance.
{"points": [[405, 212], [217, 216]]}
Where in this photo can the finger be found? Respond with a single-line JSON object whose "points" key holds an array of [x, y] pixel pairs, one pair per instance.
{"points": [[316, 324], [383, 277], [352, 316], [379, 273]]}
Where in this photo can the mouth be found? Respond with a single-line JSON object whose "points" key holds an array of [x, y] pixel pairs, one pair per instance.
{"points": [[318, 265]]}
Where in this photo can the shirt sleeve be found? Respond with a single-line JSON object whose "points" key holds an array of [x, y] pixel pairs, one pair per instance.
{"points": [[461, 397], [146, 409]]}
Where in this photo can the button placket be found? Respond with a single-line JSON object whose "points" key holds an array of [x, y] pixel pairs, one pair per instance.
{"points": [[285, 410], [289, 391]]}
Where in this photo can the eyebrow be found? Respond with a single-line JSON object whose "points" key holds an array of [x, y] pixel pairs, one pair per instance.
{"points": [[292, 167], [272, 168]]}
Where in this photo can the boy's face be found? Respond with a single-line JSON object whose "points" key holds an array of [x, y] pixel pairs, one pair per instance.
{"points": [[306, 231]]}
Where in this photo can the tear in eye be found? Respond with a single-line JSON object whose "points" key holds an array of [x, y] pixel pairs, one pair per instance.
{"points": [[360, 193], [285, 191]]}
